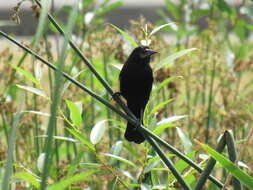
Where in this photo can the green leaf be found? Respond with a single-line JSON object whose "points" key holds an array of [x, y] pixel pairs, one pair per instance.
{"points": [[117, 147], [26, 74], [117, 66], [108, 8], [126, 35], [33, 90], [223, 6], [160, 128], [120, 159], [28, 177], [172, 119], [169, 59], [42, 24], [37, 113], [116, 150], [69, 180], [230, 166], [97, 132], [173, 9], [40, 161], [159, 106], [7, 23], [150, 166], [163, 83], [90, 165], [187, 144], [75, 113], [82, 138], [62, 138], [155, 30], [38, 71]]}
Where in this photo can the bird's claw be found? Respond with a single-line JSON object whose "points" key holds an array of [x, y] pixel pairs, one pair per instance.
{"points": [[139, 124], [116, 94]]}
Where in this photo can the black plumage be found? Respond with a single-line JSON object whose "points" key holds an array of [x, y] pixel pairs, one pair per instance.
{"points": [[136, 79]]}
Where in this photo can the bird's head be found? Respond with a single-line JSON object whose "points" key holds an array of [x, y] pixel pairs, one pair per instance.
{"points": [[141, 54]]}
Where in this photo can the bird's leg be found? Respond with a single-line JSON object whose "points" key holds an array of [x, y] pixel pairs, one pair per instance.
{"points": [[140, 120]]}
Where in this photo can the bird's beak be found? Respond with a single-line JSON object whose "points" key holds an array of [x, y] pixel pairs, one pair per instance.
{"points": [[149, 52]]}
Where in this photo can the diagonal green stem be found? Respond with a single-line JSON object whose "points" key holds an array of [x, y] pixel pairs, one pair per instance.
{"points": [[210, 165], [233, 157], [180, 155], [168, 163]]}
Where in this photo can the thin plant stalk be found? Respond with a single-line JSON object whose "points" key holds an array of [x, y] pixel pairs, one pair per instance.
{"points": [[210, 101], [233, 157], [11, 145], [55, 101], [169, 164], [210, 164]]}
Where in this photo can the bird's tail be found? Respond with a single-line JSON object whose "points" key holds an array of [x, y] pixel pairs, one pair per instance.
{"points": [[132, 134]]}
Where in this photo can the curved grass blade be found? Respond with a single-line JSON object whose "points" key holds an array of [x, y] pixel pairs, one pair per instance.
{"points": [[69, 180], [155, 30], [33, 90], [11, 145], [26, 74], [172, 57], [126, 35], [121, 159], [28, 177], [243, 177]]}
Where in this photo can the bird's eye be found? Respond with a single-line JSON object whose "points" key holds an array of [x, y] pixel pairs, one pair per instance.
{"points": [[143, 54]]}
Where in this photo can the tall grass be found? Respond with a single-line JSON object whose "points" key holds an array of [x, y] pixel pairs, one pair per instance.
{"points": [[73, 137]]}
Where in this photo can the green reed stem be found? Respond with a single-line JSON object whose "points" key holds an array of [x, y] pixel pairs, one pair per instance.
{"points": [[210, 165]]}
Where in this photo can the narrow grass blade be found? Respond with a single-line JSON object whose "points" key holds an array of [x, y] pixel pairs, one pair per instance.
{"points": [[172, 57], [108, 8], [55, 99], [186, 142], [85, 176], [11, 145], [126, 35], [82, 138], [155, 30], [121, 159], [75, 114], [172, 119], [160, 128], [164, 83], [161, 105], [26, 74], [27, 177], [42, 21], [33, 90], [230, 166]]}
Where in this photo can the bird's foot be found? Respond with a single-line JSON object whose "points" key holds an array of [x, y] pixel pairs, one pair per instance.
{"points": [[139, 124], [116, 95]]}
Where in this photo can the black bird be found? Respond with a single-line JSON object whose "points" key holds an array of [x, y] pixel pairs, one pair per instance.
{"points": [[136, 79]]}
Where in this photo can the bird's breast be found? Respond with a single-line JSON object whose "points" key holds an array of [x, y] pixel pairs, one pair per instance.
{"points": [[136, 81]]}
